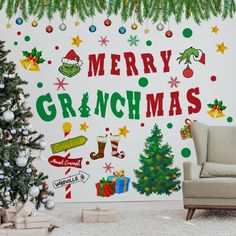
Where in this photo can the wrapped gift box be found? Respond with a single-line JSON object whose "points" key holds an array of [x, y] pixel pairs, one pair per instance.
{"points": [[122, 182], [105, 188], [99, 216], [24, 232], [8, 214]]}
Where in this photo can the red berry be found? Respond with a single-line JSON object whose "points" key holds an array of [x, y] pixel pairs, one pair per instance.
{"points": [[30, 56], [107, 22], [35, 59], [214, 107], [219, 108]]}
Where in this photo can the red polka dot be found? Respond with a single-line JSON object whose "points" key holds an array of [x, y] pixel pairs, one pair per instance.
{"points": [[142, 124], [18, 33], [107, 129], [87, 163], [213, 78], [49, 62], [57, 47]]}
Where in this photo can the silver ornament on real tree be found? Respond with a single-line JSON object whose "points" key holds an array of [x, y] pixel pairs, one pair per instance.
{"points": [[6, 164], [34, 191], [49, 205], [25, 105], [8, 116], [21, 161]]}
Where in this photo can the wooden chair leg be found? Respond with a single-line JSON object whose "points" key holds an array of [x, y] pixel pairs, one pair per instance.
{"points": [[190, 214]]}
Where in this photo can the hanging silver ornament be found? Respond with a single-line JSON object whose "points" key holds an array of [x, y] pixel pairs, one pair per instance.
{"points": [[6, 164], [21, 161], [2, 85], [8, 116], [2, 177], [62, 27], [25, 132], [5, 75], [49, 205], [25, 105], [28, 170], [8, 188], [43, 144], [160, 26], [34, 191], [13, 131]]}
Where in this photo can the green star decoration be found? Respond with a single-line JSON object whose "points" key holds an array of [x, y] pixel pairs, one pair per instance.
{"points": [[133, 40]]}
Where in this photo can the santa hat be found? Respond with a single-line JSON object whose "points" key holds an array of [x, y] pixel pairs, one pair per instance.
{"points": [[201, 57], [72, 58]]}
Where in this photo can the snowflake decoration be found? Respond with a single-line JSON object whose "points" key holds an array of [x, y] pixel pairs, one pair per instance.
{"points": [[173, 82], [108, 167], [133, 40], [103, 41], [61, 84]]}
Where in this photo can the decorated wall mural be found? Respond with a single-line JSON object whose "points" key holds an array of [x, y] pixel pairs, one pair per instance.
{"points": [[115, 98]]}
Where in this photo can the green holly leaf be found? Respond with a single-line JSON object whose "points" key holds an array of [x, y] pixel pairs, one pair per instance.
{"points": [[223, 108], [216, 102], [220, 103], [210, 105], [26, 54], [38, 54], [41, 60], [34, 51]]}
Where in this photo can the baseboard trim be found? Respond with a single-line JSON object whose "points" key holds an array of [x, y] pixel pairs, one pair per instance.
{"points": [[211, 207]]}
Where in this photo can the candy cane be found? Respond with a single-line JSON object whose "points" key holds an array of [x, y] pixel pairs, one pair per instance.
{"points": [[67, 129]]}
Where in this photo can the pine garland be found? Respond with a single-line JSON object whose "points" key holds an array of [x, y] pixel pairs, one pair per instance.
{"points": [[154, 10]]}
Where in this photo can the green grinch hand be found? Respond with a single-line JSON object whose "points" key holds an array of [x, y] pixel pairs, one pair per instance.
{"points": [[186, 55]]}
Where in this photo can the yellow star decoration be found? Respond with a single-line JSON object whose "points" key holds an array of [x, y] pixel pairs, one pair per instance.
{"points": [[221, 48], [84, 127], [123, 131], [214, 29], [77, 23], [8, 25], [76, 41], [147, 31]]}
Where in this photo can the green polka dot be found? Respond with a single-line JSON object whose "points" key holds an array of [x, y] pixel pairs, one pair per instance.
{"points": [[187, 33], [27, 38], [143, 82], [40, 84], [186, 152], [15, 43], [169, 125], [230, 119], [149, 43]]}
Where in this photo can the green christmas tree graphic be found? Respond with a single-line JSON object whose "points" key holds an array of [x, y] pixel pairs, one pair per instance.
{"points": [[156, 174]]}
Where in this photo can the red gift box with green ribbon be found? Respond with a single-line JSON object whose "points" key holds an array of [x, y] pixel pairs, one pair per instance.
{"points": [[105, 188]]}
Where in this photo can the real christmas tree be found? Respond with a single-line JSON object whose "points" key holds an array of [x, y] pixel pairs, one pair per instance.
{"points": [[156, 174], [19, 180]]}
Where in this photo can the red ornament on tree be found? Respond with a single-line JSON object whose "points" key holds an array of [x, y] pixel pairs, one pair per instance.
{"points": [[188, 72], [49, 29], [107, 22], [45, 186], [169, 33], [44, 196]]}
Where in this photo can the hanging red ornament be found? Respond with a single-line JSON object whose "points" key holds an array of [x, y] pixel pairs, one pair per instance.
{"points": [[42, 196], [45, 186], [136, 10], [107, 22], [188, 72], [49, 29], [169, 33]]}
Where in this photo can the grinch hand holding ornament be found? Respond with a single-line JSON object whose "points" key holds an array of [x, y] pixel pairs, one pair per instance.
{"points": [[197, 54], [71, 64], [32, 60]]}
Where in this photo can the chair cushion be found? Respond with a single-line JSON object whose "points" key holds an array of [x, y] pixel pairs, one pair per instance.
{"points": [[221, 144], [211, 169], [210, 188]]}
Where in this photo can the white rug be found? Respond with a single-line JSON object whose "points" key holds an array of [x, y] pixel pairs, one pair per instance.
{"points": [[153, 223]]}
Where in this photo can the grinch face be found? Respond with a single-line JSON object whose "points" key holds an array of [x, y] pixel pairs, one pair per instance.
{"points": [[69, 70]]}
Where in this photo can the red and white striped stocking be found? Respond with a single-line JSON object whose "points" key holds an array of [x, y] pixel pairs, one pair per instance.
{"points": [[114, 145]]}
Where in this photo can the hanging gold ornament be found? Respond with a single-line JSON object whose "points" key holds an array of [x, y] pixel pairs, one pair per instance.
{"points": [[146, 189], [134, 26], [34, 23]]}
